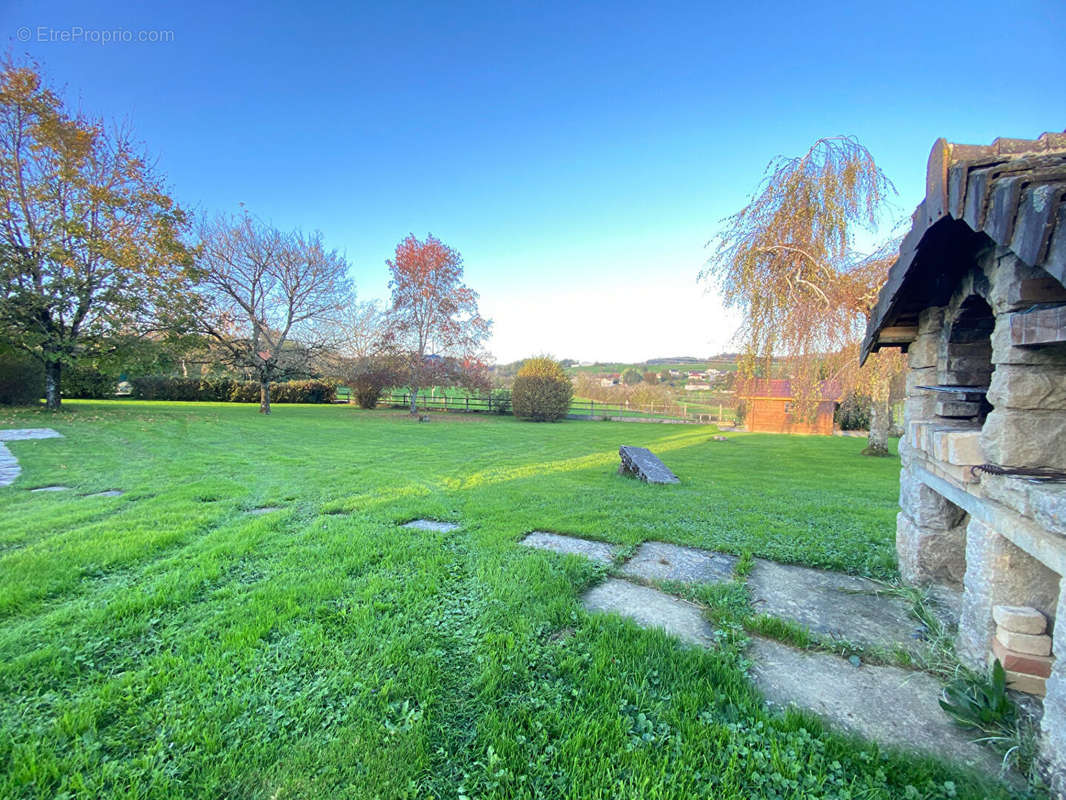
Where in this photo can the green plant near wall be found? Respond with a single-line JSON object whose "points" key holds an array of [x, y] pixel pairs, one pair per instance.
{"points": [[980, 701]]}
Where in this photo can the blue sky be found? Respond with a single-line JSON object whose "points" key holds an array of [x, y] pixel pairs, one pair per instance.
{"points": [[579, 155]]}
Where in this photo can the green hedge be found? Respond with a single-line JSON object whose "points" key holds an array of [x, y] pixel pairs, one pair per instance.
{"points": [[227, 390], [21, 378]]}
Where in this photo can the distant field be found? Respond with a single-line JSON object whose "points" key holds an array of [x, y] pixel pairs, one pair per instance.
{"points": [[170, 644]]}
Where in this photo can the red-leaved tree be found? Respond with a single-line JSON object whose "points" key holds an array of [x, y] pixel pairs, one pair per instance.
{"points": [[434, 315]]}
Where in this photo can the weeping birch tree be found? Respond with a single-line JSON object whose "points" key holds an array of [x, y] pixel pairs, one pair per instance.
{"points": [[787, 261]]}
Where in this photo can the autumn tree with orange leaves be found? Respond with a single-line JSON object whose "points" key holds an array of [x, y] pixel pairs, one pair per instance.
{"points": [[787, 261], [434, 316]]}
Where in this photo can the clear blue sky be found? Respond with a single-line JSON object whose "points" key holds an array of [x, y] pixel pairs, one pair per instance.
{"points": [[579, 155]]}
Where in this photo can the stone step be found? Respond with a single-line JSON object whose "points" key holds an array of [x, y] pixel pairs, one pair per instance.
{"points": [[891, 706], [559, 543], [670, 562], [650, 608], [841, 606]]}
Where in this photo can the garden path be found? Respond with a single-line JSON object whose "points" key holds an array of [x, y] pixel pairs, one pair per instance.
{"points": [[892, 706]]}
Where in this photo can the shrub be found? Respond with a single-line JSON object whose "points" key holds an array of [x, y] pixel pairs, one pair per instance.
{"points": [[500, 401], [164, 387], [21, 378], [369, 377], [541, 391], [853, 414], [86, 382]]}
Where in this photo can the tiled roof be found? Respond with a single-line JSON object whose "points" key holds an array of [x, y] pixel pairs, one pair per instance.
{"points": [[1013, 191]]}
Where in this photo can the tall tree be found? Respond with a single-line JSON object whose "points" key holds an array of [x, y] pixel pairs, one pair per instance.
{"points": [[787, 260], [433, 312], [269, 300], [90, 243]]}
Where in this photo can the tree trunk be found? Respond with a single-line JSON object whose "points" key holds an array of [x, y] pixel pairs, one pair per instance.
{"points": [[414, 401], [880, 423], [264, 397], [52, 373]]}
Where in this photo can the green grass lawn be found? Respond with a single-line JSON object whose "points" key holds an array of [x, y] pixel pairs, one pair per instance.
{"points": [[166, 643]]}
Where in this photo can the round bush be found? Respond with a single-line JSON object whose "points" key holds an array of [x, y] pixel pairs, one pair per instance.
{"points": [[541, 391]]}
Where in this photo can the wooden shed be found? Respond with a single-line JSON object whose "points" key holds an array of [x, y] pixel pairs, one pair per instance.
{"points": [[771, 408]]}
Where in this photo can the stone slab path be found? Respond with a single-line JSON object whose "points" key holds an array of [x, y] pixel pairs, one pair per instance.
{"points": [[107, 493], [50, 489], [830, 603], [650, 608], [9, 465], [894, 707], [891, 706], [558, 543], [659, 561], [431, 525]]}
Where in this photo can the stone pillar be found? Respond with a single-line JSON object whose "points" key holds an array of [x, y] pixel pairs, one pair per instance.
{"points": [[930, 535], [1053, 725], [920, 404], [997, 571]]}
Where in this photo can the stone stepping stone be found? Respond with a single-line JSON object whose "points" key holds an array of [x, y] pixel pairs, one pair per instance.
{"points": [[659, 561], [9, 465], [107, 493], [558, 543], [431, 525], [51, 489], [640, 462], [888, 705], [17, 434], [833, 604], [650, 608], [264, 510]]}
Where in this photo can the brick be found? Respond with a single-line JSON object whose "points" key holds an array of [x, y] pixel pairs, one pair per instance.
{"points": [[1020, 682], [1020, 619], [1037, 666], [1025, 643]]}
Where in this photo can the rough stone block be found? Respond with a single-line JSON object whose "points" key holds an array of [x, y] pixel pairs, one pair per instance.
{"points": [[958, 447], [998, 572], [957, 409], [1048, 503], [926, 507], [1004, 351], [1016, 386], [1024, 642], [919, 407], [1020, 619], [1053, 724], [1030, 684], [931, 320], [1040, 666], [928, 555], [923, 351], [1011, 492], [920, 377], [1013, 438]]}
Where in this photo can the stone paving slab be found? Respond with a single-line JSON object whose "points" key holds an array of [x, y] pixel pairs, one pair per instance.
{"points": [[650, 608], [107, 493], [671, 562], [558, 543], [263, 510], [833, 604], [16, 434], [9, 465], [50, 489], [891, 706], [431, 525]]}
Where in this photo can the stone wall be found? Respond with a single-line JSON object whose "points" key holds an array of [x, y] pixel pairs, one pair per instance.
{"points": [[998, 539]]}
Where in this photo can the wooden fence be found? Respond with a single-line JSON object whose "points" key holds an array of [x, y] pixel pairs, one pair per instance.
{"points": [[593, 409]]}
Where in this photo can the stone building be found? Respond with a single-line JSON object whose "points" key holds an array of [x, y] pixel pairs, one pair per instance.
{"points": [[977, 300]]}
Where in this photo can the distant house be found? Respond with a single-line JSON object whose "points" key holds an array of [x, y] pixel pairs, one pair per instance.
{"points": [[697, 387], [770, 408]]}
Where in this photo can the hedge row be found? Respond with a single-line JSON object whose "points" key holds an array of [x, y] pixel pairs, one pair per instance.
{"points": [[227, 390]]}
